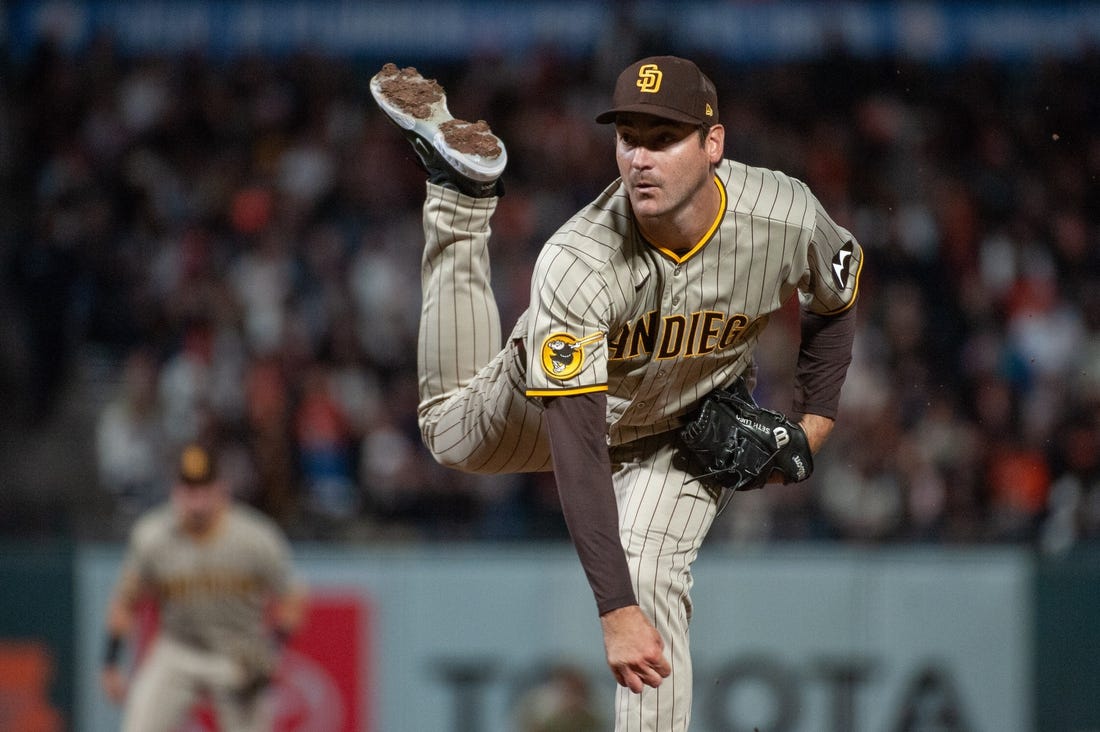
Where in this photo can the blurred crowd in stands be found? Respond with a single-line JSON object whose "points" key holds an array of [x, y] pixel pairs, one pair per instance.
{"points": [[239, 240]]}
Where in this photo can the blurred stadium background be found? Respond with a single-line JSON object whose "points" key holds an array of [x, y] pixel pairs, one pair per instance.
{"points": [[209, 229]]}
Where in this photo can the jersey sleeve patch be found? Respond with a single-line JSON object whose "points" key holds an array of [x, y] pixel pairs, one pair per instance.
{"points": [[562, 354], [841, 271]]}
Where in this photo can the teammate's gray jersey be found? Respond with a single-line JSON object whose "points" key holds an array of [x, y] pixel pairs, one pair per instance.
{"points": [[658, 330], [213, 594]]}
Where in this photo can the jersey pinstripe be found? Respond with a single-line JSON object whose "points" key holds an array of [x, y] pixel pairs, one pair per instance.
{"points": [[658, 330]]}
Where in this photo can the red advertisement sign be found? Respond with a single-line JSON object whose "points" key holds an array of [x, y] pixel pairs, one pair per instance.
{"points": [[26, 669], [324, 673]]}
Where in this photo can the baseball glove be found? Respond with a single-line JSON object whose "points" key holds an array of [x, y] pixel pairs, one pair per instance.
{"points": [[738, 444]]}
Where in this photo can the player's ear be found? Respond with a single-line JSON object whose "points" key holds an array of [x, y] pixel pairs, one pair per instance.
{"points": [[715, 143]]}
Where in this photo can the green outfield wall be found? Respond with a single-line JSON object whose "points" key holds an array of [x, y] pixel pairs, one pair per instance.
{"points": [[1067, 643], [37, 617]]}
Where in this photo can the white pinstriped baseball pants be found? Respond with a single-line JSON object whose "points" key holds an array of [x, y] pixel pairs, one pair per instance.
{"points": [[474, 416]]}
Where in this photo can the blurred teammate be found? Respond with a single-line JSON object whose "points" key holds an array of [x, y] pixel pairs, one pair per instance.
{"points": [[219, 574]]}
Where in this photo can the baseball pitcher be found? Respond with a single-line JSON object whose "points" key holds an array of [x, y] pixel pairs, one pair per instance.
{"points": [[630, 373]]}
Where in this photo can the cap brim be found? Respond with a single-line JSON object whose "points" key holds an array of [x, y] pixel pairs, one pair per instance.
{"points": [[652, 109]]}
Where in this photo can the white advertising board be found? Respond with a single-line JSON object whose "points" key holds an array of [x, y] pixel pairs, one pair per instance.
{"points": [[794, 639]]}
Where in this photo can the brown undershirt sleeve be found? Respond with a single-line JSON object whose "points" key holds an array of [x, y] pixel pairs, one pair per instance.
{"points": [[824, 354], [577, 426]]}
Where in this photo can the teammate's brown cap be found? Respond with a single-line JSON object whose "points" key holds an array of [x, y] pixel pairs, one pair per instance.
{"points": [[665, 86], [196, 465]]}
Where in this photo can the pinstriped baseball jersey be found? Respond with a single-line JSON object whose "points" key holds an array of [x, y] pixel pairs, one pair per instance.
{"points": [[658, 329], [212, 594]]}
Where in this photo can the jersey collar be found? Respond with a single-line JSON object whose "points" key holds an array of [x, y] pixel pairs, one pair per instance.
{"points": [[678, 257]]}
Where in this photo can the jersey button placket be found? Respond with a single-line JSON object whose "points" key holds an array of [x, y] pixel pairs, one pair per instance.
{"points": [[674, 286]]}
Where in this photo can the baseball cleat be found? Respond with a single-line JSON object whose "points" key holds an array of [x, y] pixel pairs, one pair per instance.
{"points": [[457, 154]]}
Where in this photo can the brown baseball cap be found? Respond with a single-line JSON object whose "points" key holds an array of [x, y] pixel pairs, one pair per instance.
{"points": [[665, 86], [196, 465]]}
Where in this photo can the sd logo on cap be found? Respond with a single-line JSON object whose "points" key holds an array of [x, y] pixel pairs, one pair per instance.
{"points": [[665, 86]]}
